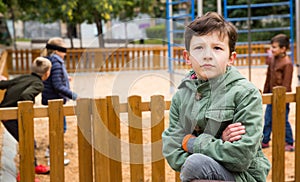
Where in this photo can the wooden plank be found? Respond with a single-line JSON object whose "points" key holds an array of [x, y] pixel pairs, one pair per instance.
{"points": [[278, 130], [26, 140], [157, 127], [135, 139], [297, 138], [100, 136], [8, 113], [56, 138], [83, 112], [113, 109], [177, 177]]}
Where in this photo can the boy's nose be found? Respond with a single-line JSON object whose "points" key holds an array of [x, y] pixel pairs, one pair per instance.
{"points": [[207, 55]]}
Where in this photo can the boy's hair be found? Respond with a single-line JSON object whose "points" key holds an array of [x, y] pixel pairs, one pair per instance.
{"points": [[208, 23], [40, 66], [282, 40]]}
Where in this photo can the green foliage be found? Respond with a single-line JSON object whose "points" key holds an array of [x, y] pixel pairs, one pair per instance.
{"points": [[156, 32], [3, 7]]}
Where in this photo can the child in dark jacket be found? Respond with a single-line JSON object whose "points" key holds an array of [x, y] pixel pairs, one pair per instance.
{"points": [[25, 88], [57, 86]]}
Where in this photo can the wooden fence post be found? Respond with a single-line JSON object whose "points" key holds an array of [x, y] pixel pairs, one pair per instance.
{"points": [[100, 136], [297, 138], [113, 110], [157, 108], [135, 138], [56, 137], [278, 130], [26, 140], [83, 112], [156, 59]]}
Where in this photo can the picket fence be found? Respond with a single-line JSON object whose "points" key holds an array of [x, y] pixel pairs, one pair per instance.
{"points": [[120, 59]]}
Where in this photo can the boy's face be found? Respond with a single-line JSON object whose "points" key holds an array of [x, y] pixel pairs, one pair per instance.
{"points": [[61, 54], [276, 50], [209, 55], [46, 75]]}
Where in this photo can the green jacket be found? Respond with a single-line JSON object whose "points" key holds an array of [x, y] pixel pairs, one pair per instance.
{"points": [[212, 106], [24, 87]]}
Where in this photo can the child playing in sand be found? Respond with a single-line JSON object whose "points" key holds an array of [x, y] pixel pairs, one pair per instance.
{"points": [[22, 88]]}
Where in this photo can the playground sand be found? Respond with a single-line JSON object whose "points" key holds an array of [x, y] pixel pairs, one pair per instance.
{"points": [[134, 83]]}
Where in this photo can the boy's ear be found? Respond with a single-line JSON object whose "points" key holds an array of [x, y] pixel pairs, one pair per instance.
{"points": [[186, 57], [232, 58]]}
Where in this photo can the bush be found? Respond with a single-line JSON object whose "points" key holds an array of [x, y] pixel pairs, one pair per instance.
{"points": [[156, 32]]}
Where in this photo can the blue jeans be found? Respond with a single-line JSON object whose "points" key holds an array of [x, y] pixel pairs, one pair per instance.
{"points": [[199, 166], [268, 125], [65, 124]]}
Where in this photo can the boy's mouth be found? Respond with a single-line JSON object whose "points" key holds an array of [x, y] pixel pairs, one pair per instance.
{"points": [[207, 66]]}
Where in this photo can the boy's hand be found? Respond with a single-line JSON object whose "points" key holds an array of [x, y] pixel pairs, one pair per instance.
{"points": [[233, 132], [2, 78], [185, 141]]}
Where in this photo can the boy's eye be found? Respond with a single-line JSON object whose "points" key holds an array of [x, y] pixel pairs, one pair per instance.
{"points": [[218, 48]]}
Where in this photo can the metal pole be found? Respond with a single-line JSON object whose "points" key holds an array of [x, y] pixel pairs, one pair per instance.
{"points": [[219, 5], [199, 7], [298, 37], [170, 43], [249, 38]]}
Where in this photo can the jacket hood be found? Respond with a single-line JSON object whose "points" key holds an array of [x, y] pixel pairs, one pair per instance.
{"points": [[231, 75]]}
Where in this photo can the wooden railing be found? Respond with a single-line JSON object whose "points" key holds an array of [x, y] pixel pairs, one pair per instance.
{"points": [[118, 59], [99, 136], [3, 70]]}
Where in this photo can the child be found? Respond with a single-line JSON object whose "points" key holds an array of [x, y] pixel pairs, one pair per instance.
{"points": [[280, 73], [215, 126], [57, 86], [25, 87]]}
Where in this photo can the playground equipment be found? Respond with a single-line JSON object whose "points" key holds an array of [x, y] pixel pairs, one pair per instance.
{"points": [[286, 4], [188, 15]]}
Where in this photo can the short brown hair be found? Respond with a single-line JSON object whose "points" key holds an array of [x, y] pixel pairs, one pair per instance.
{"points": [[208, 23], [40, 66], [282, 40]]}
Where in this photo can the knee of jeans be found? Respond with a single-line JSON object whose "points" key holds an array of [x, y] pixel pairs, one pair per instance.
{"points": [[195, 161]]}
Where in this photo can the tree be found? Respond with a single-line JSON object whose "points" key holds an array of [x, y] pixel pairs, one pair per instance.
{"points": [[77, 11]]}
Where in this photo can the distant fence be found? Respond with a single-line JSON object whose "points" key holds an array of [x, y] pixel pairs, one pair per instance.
{"points": [[136, 58], [99, 133]]}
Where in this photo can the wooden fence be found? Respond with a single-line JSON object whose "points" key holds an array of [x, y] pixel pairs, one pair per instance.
{"points": [[3, 69], [137, 58], [99, 136]]}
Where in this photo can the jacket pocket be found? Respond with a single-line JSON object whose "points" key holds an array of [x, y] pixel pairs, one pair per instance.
{"points": [[217, 120]]}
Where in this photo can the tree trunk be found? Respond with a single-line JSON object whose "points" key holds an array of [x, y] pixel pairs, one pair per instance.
{"points": [[14, 28], [100, 31], [70, 33]]}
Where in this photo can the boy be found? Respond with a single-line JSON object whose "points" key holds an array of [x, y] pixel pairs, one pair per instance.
{"points": [[215, 117], [280, 73], [57, 86], [25, 87]]}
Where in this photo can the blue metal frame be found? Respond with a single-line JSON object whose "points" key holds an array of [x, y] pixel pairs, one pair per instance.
{"points": [[262, 5], [170, 19]]}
